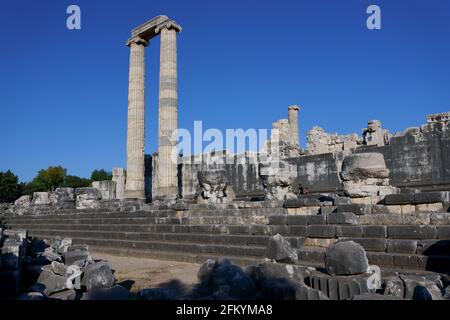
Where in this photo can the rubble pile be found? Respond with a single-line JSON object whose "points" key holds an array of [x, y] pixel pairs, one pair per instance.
{"points": [[35, 269]]}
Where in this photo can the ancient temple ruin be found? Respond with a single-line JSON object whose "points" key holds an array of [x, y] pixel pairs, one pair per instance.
{"points": [[389, 193]]}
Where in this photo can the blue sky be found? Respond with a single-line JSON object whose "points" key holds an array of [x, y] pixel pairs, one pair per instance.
{"points": [[63, 93]]}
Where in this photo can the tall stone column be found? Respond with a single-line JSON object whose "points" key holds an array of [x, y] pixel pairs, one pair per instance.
{"points": [[293, 123], [167, 167], [135, 182]]}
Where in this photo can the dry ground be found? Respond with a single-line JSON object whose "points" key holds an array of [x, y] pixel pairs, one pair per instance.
{"points": [[139, 273]]}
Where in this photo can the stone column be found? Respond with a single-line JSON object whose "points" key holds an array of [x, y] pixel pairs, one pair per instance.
{"points": [[167, 180], [293, 123], [135, 183]]}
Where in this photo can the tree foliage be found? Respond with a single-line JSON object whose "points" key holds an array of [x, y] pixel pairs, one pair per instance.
{"points": [[100, 175], [10, 188], [76, 182]]}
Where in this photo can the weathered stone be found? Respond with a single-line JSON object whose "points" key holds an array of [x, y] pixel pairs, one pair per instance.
{"points": [[346, 258], [51, 282], [358, 209], [393, 286], [97, 275], [214, 186], [432, 197], [303, 292], [270, 270], [41, 198], [119, 177], [11, 255], [408, 209], [69, 294], [349, 231], [87, 198], [278, 180], [412, 232], [280, 250], [375, 231], [388, 209], [399, 199], [401, 246], [78, 247], [430, 207], [59, 268], [22, 205], [72, 256], [116, 292], [420, 288], [342, 218]]}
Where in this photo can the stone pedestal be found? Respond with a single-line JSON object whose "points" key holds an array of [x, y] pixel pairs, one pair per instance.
{"points": [[119, 177], [135, 187]]}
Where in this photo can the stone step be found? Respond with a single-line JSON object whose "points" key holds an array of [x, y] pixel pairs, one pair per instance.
{"points": [[189, 247], [315, 256], [75, 214], [102, 220], [239, 240]]}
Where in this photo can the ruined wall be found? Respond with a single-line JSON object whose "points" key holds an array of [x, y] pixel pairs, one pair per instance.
{"points": [[417, 158]]}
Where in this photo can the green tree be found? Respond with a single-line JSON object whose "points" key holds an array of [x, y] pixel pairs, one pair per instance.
{"points": [[100, 175], [10, 188], [49, 179], [76, 182]]}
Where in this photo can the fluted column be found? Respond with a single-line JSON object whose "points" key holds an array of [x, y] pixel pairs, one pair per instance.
{"points": [[135, 182], [167, 179], [293, 124]]}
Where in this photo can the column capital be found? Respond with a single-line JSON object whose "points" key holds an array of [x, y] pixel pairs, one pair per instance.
{"points": [[168, 25], [137, 40], [294, 107]]}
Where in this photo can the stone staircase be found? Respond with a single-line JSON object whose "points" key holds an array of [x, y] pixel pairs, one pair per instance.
{"points": [[240, 234]]}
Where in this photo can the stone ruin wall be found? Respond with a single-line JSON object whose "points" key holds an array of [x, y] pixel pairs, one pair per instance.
{"points": [[418, 158]]}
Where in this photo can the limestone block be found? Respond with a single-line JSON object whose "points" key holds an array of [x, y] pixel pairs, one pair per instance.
{"points": [[319, 242], [41, 198], [107, 188], [303, 211], [362, 166], [87, 198], [119, 177], [367, 200], [22, 205], [389, 209], [408, 209], [430, 207]]}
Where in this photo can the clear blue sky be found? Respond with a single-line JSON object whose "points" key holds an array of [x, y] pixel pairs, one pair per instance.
{"points": [[63, 94]]}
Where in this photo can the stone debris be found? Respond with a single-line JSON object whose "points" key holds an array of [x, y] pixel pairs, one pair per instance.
{"points": [[35, 269], [280, 250]]}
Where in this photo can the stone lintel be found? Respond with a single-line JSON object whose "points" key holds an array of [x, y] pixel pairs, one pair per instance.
{"points": [[152, 27]]}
